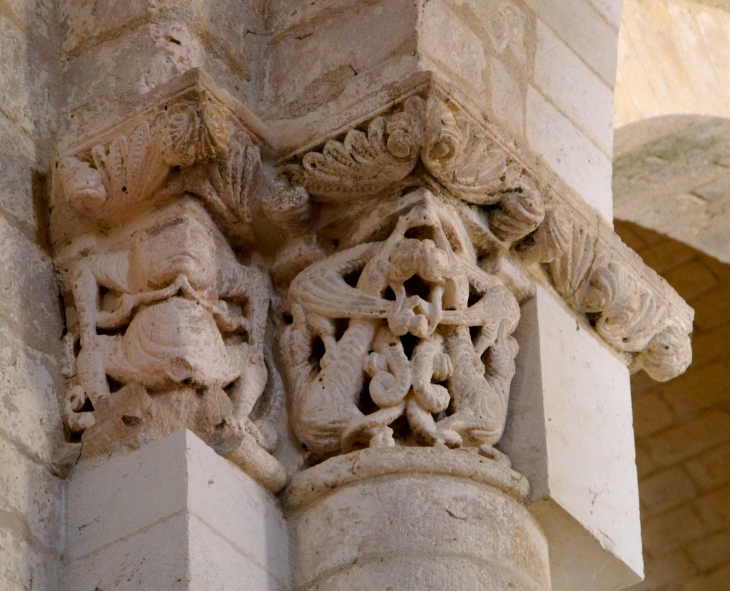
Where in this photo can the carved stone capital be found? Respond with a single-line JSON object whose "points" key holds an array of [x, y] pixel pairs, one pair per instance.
{"points": [[514, 208], [396, 251], [167, 324]]}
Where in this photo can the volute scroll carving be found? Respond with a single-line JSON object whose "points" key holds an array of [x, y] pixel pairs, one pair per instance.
{"points": [[502, 203]]}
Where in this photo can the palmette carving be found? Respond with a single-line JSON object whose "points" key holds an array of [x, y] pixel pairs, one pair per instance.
{"points": [[409, 328]]}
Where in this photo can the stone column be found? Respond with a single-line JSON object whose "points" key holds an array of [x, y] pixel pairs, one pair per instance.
{"points": [[351, 276]]}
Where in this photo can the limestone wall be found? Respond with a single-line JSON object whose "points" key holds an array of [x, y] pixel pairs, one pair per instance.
{"points": [[544, 71], [683, 431], [30, 314], [673, 59]]}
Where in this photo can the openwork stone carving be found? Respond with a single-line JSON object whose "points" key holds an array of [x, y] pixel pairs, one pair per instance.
{"points": [[167, 328], [427, 142], [409, 327]]}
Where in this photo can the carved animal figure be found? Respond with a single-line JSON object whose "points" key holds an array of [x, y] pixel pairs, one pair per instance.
{"points": [[426, 326], [169, 304]]}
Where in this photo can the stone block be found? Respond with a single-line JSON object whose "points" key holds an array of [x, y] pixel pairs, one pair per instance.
{"points": [[85, 24], [29, 385], [665, 490], [18, 155], [569, 153], [711, 469], [155, 558], [693, 279], [569, 431], [502, 23], [36, 16], [574, 89], [672, 530], [122, 512], [308, 66], [713, 308], [136, 63], [667, 255], [698, 389], [34, 495], [718, 580], [28, 289], [453, 46], [683, 441], [711, 552], [508, 100], [584, 31], [666, 570], [651, 414], [610, 9], [25, 566], [714, 508], [27, 80]]}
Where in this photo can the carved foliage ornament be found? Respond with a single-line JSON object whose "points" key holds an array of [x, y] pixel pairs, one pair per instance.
{"points": [[500, 195], [171, 326]]}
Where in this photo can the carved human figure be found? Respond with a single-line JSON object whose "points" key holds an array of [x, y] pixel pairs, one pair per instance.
{"points": [[427, 327], [169, 304]]}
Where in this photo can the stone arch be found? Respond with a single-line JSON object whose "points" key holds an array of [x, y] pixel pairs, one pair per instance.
{"points": [[672, 174], [671, 188], [682, 430]]}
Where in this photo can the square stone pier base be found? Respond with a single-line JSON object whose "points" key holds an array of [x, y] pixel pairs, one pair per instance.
{"points": [[172, 516]]}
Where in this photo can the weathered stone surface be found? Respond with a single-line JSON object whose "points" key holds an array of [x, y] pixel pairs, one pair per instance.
{"points": [[28, 289], [32, 497], [26, 79], [23, 564], [177, 340], [20, 163], [173, 515], [30, 382], [414, 527]]}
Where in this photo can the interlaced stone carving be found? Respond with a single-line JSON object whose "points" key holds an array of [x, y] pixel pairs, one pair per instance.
{"points": [[499, 201], [408, 327]]}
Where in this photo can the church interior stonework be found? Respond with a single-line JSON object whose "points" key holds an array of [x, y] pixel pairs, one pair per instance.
{"points": [[364, 295]]}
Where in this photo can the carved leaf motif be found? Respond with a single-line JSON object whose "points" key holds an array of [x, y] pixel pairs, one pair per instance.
{"points": [[363, 163], [521, 210], [131, 168], [460, 158], [234, 181], [288, 206], [193, 133], [571, 268]]}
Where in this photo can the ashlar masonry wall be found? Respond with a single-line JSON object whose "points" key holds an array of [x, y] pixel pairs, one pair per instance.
{"points": [[31, 325]]}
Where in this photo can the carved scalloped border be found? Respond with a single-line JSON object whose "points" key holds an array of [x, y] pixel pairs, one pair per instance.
{"points": [[529, 211]]}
